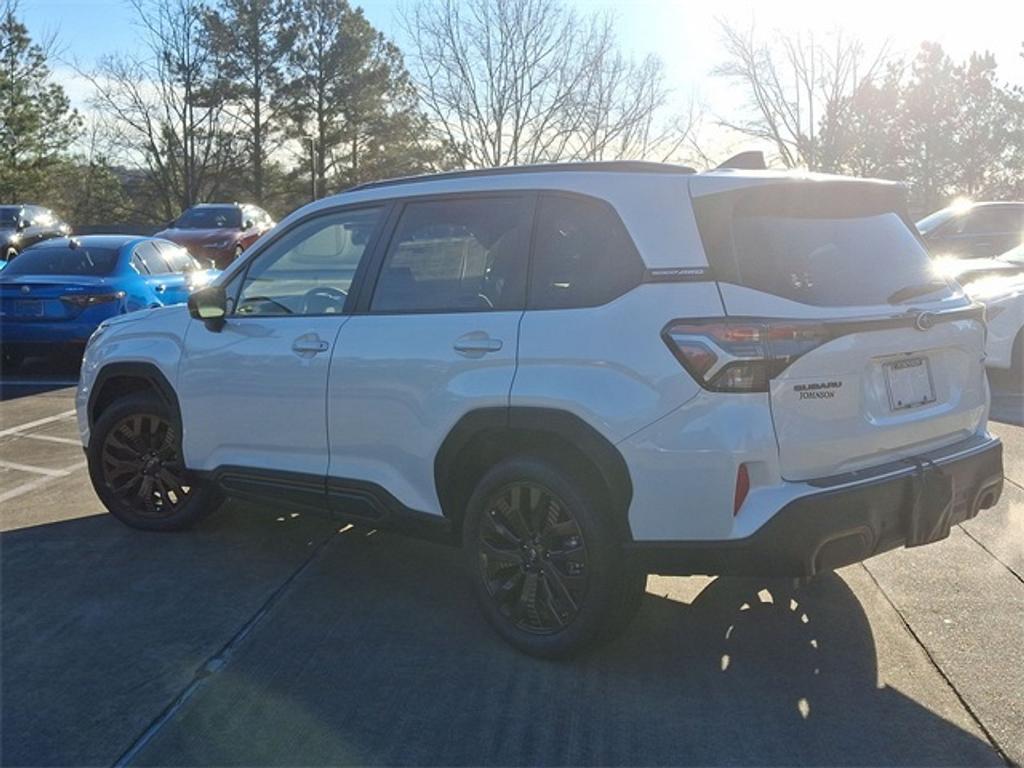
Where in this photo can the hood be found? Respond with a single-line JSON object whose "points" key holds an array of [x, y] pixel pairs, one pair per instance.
{"points": [[188, 237]]}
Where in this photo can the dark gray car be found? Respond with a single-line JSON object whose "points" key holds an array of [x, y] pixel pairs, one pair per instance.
{"points": [[23, 225], [974, 230]]}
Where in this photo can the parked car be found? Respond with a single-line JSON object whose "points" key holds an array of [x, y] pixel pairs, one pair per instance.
{"points": [[218, 231], [25, 225], [581, 374], [999, 284], [974, 230], [55, 294]]}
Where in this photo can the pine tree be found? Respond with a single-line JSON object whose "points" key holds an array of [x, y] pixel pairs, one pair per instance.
{"points": [[251, 40], [37, 123], [350, 95]]}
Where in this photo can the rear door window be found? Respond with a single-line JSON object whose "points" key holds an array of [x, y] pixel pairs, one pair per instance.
{"points": [[582, 254], [458, 255], [177, 257], [151, 259]]}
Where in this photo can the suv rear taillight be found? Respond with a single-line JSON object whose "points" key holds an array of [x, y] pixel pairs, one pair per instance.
{"points": [[740, 355]]}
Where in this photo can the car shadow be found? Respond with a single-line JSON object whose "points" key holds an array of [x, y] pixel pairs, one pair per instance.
{"points": [[376, 654], [38, 375]]}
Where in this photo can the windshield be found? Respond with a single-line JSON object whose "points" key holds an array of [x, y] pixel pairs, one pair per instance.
{"points": [[9, 215], [64, 261], [224, 217], [854, 261], [937, 219]]}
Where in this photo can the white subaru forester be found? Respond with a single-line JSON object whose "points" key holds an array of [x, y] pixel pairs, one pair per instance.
{"points": [[580, 374]]}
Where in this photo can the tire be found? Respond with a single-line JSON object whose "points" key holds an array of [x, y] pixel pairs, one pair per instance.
{"points": [[133, 446], [552, 584]]}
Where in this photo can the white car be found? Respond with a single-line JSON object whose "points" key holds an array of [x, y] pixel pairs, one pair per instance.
{"points": [[998, 283], [580, 374]]}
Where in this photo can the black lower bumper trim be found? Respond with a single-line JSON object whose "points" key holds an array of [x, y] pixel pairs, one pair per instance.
{"points": [[845, 525]]}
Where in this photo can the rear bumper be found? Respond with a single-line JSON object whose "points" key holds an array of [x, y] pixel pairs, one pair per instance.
{"points": [[854, 518]]}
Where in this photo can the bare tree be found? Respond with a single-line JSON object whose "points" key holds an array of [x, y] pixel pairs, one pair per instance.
{"points": [[161, 107], [523, 81], [799, 90]]}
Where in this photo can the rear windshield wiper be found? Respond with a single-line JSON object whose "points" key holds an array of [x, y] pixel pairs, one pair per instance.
{"points": [[913, 291]]}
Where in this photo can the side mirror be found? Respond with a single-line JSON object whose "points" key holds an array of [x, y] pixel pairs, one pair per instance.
{"points": [[23, 224], [248, 224], [210, 306]]}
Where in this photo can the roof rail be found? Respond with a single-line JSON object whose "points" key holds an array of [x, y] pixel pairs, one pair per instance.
{"points": [[746, 161], [606, 166]]}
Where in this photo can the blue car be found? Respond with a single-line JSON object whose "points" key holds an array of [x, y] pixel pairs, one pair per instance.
{"points": [[55, 294]]}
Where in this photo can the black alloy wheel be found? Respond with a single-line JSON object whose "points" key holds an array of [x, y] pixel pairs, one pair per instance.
{"points": [[142, 466], [533, 558]]}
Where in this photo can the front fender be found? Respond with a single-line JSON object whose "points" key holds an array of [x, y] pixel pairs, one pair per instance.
{"points": [[149, 340]]}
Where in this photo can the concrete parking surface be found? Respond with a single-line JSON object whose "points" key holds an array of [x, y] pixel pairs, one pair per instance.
{"points": [[265, 637]]}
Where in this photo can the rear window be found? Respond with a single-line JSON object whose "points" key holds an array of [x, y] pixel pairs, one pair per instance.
{"points": [[64, 261], [848, 251]]}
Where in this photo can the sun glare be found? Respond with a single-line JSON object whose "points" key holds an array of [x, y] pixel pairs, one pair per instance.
{"points": [[961, 204]]}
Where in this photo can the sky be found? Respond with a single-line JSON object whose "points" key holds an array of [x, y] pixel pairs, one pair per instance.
{"points": [[683, 33]]}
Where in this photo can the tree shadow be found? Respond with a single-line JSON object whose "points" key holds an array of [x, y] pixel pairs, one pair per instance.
{"points": [[378, 656]]}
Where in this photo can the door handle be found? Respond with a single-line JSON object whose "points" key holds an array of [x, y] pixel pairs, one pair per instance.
{"points": [[161, 288], [476, 344], [311, 344]]}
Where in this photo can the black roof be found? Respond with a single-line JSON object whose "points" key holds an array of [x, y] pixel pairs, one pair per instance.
{"points": [[610, 166]]}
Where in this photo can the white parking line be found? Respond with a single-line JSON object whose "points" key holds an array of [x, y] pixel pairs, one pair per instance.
{"points": [[26, 487], [36, 423], [52, 439], [32, 469]]}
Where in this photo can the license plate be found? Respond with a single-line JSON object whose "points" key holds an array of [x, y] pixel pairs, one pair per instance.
{"points": [[28, 308], [910, 383]]}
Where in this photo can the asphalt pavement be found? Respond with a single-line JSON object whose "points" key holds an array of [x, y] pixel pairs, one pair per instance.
{"points": [[265, 637]]}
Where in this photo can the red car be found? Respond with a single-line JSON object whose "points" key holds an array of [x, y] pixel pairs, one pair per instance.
{"points": [[218, 231]]}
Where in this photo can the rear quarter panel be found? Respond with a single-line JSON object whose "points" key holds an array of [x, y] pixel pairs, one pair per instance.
{"points": [[608, 364]]}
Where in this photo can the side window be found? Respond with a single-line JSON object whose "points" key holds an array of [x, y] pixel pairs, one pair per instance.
{"points": [[151, 259], [582, 254], [138, 264], [310, 269], [459, 255], [993, 220], [177, 257]]}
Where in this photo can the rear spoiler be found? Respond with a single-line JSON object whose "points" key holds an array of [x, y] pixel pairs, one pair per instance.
{"points": [[746, 161]]}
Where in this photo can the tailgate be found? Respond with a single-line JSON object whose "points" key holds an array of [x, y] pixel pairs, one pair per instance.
{"points": [[897, 365], [877, 395]]}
